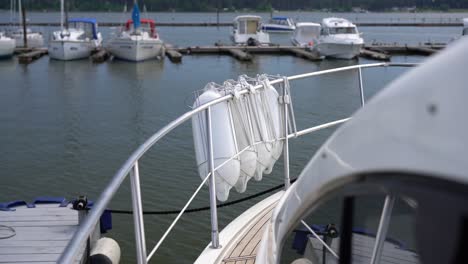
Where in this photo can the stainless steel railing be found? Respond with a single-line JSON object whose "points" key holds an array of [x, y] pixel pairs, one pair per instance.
{"points": [[131, 167]]}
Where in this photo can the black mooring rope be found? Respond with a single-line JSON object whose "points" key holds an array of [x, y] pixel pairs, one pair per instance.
{"points": [[206, 208]]}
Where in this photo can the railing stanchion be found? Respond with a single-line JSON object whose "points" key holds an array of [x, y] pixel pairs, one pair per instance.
{"points": [[361, 88], [213, 209], [138, 215], [287, 181], [383, 228]]}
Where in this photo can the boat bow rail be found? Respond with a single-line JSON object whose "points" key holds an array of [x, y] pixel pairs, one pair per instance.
{"points": [[131, 167]]}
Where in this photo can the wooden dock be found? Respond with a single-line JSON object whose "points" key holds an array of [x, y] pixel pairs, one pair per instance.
{"points": [[26, 57], [36, 235]]}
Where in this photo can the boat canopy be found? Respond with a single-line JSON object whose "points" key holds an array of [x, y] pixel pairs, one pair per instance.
{"points": [[145, 23], [85, 24], [307, 31], [336, 22], [279, 18]]}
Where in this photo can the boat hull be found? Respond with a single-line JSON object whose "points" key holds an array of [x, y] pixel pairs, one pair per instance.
{"points": [[339, 50], [136, 50], [7, 47], [70, 50]]}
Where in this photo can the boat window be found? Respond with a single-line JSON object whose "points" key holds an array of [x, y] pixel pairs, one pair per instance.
{"points": [[252, 27], [354, 219], [242, 24], [465, 32], [342, 30], [310, 32], [324, 31]]}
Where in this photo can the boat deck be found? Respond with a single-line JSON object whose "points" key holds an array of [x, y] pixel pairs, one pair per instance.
{"points": [[245, 249], [36, 235]]}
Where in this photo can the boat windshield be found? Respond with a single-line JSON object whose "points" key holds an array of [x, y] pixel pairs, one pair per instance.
{"points": [[342, 30], [86, 27], [283, 22]]}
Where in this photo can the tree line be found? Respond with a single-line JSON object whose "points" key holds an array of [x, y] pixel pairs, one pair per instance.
{"points": [[233, 5]]}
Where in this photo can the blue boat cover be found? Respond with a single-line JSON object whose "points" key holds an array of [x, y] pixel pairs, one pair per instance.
{"points": [[86, 20], [279, 18], [136, 16]]}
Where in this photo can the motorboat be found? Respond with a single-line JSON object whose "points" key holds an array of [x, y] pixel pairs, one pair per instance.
{"points": [[137, 41], [279, 24], [465, 27], [33, 39], [247, 31], [306, 34], [339, 38], [7, 45]]}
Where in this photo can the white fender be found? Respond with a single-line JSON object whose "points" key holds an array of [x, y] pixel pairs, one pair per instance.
{"points": [[106, 250], [261, 133], [223, 144], [276, 117], [248, 158]]}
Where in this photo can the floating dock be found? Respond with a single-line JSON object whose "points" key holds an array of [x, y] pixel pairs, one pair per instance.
{"points": [[376, 51], [36, 232], [27, 55]]}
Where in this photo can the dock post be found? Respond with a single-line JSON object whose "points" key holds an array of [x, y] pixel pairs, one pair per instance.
{"points": [[138, 215], [213, 208]]}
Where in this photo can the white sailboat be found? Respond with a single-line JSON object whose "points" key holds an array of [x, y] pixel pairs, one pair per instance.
{"points": [[7, 46], [33, 39], [76, 40], [137, 40]]}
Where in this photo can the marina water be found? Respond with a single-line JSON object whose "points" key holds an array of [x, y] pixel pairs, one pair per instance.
{"points": [[66, 127]]}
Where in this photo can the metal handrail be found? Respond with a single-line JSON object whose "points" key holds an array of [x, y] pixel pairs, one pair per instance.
{"points": [[85, 228]]}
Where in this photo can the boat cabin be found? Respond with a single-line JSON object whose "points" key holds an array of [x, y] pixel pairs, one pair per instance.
{"points": [[247, 24], [306, 34], [146, 25], [88, 25], [335, 26]]}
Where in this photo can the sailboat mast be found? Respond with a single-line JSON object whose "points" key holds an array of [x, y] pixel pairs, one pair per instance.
{"points": [[20, 14], [61, 14]]}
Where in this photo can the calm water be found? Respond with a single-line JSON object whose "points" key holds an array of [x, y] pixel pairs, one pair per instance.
{"points": [[66, 127]]}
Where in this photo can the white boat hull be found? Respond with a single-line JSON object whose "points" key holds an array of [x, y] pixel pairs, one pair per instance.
{"points": [[7, 47], [136, 50], [339, 50], [35, 40], [70, 50]]}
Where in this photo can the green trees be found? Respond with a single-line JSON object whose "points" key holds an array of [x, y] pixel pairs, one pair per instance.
{"points": [[258, 5]]}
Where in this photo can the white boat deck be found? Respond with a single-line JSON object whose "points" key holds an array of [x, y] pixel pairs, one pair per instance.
{"points": [[245, 249], [40, 234]]}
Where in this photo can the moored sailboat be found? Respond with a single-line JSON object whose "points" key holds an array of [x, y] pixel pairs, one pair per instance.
{"points": [[138, 40]]}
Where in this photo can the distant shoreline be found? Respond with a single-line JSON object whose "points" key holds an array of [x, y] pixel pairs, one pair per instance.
{"points": [[259, 11]]}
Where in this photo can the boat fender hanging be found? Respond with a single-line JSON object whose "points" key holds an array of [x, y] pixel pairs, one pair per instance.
{"points": [[260, 132], [223, 143], [248, 158], [105, 251], [273, 109]]}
